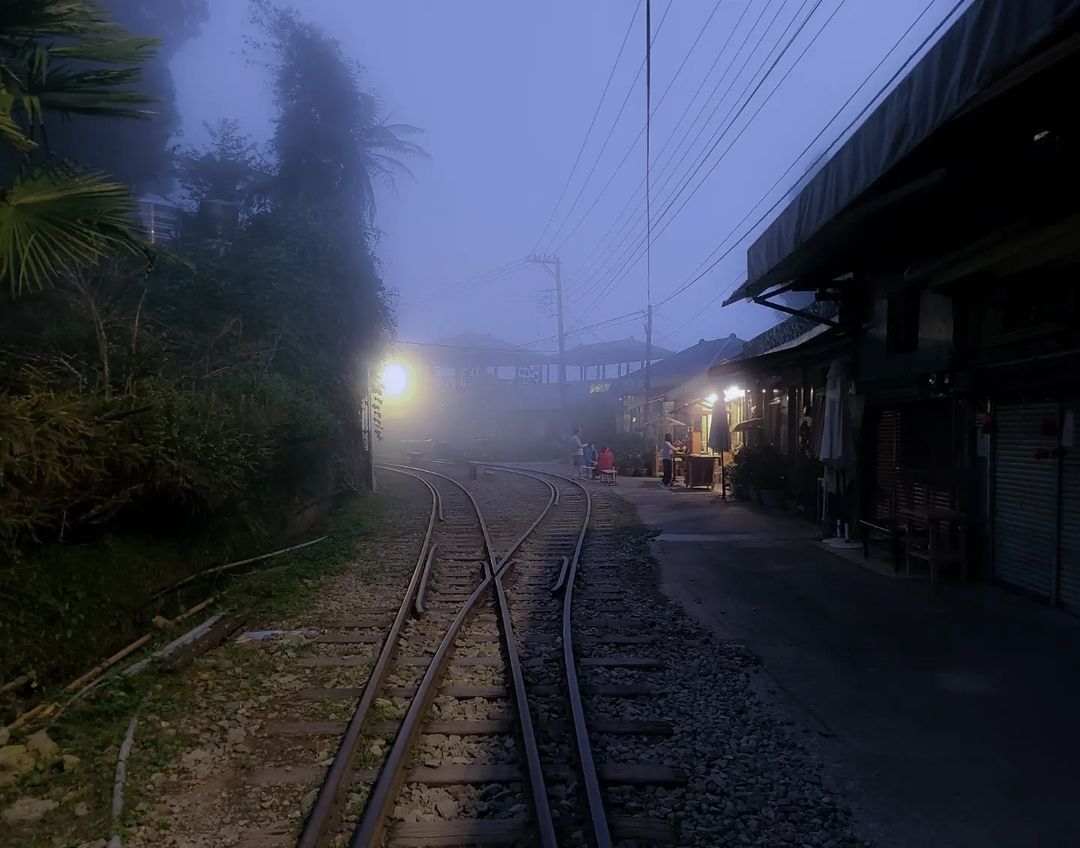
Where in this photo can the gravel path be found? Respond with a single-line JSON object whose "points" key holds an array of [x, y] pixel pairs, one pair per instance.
{"points": [[218, 734], [750, 782]]}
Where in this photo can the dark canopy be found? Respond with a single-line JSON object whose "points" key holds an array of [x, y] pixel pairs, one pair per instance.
{"points": [[981, 47]]}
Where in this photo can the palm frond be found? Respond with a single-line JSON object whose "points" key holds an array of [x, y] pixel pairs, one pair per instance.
{"points": [[117, 51], [10, 131], [50, 220]]}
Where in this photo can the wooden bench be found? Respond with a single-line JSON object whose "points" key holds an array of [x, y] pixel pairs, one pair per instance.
{"points": [[879, 529], [925, 542]]}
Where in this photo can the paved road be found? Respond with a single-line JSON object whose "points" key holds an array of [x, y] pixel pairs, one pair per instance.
{"points": [[948, 715]]}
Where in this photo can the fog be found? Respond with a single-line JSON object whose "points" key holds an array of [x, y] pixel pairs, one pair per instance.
{"points": [[505, 93]]}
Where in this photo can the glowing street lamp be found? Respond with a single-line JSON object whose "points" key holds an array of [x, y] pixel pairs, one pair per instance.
{"points": [[732, 393], [712, 398], [394, 379]]}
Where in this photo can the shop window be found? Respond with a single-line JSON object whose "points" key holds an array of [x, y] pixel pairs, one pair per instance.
{"points": [[902, 322]]}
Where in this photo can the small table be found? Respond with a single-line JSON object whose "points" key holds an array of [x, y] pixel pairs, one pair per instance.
{"points": [[700, 471], [922, 538]]}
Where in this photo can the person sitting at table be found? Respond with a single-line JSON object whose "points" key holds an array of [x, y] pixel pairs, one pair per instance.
{"points": [[588, 458], [606, 460]]}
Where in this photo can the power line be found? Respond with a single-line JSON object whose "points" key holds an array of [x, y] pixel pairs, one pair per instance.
{"points": [[873, 101], [607, 323], [476, 348], [592, 123], [675, 195], [691, 319], [598, 275], [642, 131], [607, 139], [602, 244], [469, 282], [648, 185]]}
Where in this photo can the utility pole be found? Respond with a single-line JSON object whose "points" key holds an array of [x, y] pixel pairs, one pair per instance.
{"points": [[553, 265], [648, 202]]}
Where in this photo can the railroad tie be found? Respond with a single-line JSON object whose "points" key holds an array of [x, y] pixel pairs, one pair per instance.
{"points": [[471, 774], [621, 662]]}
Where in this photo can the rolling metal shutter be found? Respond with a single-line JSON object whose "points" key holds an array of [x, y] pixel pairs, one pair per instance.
{"points": [[1069, 586], [885, 462], [1025, 497]]}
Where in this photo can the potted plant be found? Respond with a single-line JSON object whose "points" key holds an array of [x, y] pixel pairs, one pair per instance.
{"points": [[759, 470]]}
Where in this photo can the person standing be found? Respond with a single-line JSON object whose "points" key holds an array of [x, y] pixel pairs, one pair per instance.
{"points": [[667, 457], [577, 448]]}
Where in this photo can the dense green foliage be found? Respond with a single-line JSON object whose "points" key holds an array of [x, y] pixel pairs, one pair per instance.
{"points": [[209, 397], [60, 59], [137, 152]]}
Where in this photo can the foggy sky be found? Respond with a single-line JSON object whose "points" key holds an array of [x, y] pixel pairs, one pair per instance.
{"points": [[505, 91]]}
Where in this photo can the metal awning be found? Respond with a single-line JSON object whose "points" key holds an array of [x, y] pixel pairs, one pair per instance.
{"points": [[966, 65]]}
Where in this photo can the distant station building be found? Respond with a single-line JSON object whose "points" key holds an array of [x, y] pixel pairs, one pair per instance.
{"points": [[478, 390], [679, 391]]}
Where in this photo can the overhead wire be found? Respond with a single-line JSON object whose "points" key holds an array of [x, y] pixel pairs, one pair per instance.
{"points": [[738, 278], [602, 244], [709, 263], [607, 138], [592, 124], [628, 263], [598, 275], [642, 131], [617, 320], [488, 276]]}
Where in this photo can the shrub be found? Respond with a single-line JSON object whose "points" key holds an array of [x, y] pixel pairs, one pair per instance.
{"points": [[630, 452], [759, 467], [180, 453]]}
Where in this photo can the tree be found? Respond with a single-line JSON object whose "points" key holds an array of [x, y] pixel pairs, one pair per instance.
{"points": [[139, 152], [62, 58], [331, 142], [229, 169]]}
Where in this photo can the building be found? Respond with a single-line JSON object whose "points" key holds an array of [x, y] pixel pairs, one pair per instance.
{"points": [[944, 231], [775, 393], [680, 393], [159, 218]]}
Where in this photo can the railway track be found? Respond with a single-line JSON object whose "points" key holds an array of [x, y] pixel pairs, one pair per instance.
{"points": [[499, 728]]}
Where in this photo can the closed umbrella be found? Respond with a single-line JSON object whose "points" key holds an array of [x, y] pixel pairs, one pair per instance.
{"points": [[720, 439], [835, 429], [838, 437], [720, 429]]}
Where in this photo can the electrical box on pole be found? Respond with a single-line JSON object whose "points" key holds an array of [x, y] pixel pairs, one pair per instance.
{"points": [[553, 265]]}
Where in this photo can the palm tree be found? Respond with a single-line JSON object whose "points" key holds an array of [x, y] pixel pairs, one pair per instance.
{"points": [[380, 144], [331, 141], [61, 57]]}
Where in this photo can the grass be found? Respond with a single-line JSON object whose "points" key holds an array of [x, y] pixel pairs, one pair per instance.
{"points": [[94, 728]]}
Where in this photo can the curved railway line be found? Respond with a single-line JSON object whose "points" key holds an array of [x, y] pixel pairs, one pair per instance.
{"points": [[496, 599]]}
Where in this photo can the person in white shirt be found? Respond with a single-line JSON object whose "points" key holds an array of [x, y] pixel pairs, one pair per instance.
{"points": [[578, 448], [667, 454]]}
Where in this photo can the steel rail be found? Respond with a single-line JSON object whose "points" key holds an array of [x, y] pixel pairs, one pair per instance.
{"points": [[326, 810], [372, 826], [418, 601], [601, 831]]}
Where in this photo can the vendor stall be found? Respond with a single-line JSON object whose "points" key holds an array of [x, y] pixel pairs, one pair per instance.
{"points": [[699, 470]]}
